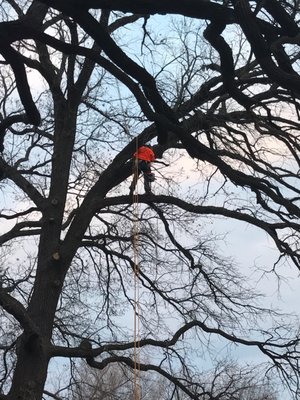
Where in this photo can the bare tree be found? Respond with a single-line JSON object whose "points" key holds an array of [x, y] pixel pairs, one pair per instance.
{"points": [[226, 381], [113, 383], [83, 83]]}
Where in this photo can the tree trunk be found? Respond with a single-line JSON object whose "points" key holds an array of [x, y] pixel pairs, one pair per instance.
{"points": [[31, 370], [33, 348]]}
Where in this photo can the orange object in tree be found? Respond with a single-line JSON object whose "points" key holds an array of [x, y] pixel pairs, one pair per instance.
{"points": [[145, 153]]}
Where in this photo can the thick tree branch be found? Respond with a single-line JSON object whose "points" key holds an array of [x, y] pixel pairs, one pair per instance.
{"points": [[13, 58], [213, 34], [269, 228], [258, 44], [19, 231], [8, 122], [190, 8], [17, 310], [151, 367], [268, 346], [13, 174]]}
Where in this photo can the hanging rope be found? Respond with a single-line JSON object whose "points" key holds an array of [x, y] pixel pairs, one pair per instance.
{"points": [[136, 329]]}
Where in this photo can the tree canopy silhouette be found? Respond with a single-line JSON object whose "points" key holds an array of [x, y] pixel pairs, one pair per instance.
{"points": [[213, 85]]}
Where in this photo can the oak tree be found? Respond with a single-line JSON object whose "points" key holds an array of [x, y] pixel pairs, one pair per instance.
{"points": [[215, 87]]}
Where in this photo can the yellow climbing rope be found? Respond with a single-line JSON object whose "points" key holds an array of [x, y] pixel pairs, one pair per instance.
{"points": [[136, 328]]}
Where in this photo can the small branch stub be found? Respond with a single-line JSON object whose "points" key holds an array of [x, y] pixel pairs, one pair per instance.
{"points": [[56, 256]]}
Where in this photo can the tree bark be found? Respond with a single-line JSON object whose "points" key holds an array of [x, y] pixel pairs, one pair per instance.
{"points": [[33, 350]]}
